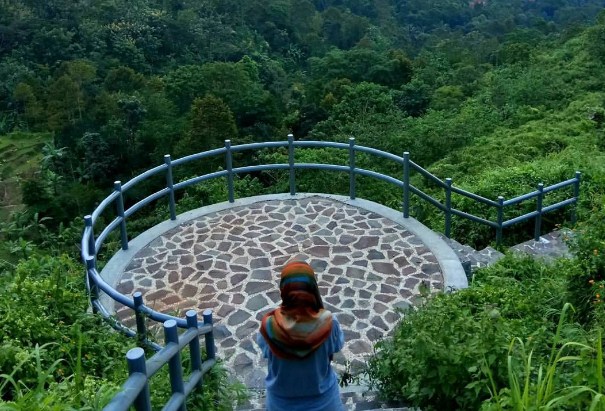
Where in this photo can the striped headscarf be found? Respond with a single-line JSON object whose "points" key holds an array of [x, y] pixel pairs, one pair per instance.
{"points": [[301, 324]]}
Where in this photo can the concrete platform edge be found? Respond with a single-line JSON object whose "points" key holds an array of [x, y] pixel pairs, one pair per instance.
{"points": [[453, 272]]}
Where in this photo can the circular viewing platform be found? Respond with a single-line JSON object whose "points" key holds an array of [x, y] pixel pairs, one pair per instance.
{"points": [[370, 262]]}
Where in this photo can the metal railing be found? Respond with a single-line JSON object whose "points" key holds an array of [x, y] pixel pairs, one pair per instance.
{"points": [[135, 391], [91, 244]]}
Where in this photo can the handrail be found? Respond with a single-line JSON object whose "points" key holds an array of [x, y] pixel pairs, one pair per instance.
{"points": [[90, 245], [135, 391]]}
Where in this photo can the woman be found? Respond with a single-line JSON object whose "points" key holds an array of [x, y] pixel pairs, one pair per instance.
{"points": [[299, 339]]}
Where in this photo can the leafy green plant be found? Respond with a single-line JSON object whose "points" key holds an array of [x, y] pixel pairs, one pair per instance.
{"points": [[551, 384], [586, 284]]}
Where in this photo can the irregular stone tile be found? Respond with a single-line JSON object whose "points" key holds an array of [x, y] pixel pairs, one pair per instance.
{"points": [[384, 268], [340, 260], [237, 278], [186, 272], [379, 307], [365, 294], [254, 287], [374, 277], [391, 317], [247, 330], [225, 310], [375, 255], [237, 299], [350, 334], [430, 268], [223, 298], [345, 319], [379, 323], [366, 242], [217, 274], [274, 296], [238, 317], [203, 265], [353, 272], [360, 347], [385, 298], [126, 287], [387, 289], [242, 362], [346, 239], [261, 275], [334, 299], [318, 265], [247, 345], [374, 335], [411, 283], [157, 295], [256, 303], [260, 263]]}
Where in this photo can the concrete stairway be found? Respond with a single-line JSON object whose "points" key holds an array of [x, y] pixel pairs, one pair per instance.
{"points": [[549, 247]]}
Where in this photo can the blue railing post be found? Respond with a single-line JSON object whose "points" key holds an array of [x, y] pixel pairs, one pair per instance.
{"points": [[500, 219], [136, 364], [210, 350], [448, 207], [170, 186], [91, 239], [229, 164], [92, 285], [291, 164], [352, 168], [538, 225], [140, 317], [576, 194], [406, 184], [175, 368], [194, 345], [117, 185]]}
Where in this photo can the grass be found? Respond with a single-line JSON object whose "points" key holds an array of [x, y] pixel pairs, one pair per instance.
{"points": [[543, 387], [20, 154]]}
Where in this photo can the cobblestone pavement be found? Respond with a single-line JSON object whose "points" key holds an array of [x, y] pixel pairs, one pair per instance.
{"points": [[229, 261]]}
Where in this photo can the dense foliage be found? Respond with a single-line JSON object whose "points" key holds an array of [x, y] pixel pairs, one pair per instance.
{"points": [[498, 95], [481, 87], [470, 349]]}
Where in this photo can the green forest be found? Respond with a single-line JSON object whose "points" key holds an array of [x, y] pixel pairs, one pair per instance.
{"points": [[498, 95]]}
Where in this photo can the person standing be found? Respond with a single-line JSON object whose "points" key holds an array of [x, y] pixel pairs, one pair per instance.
{"points": [[299, 339]]}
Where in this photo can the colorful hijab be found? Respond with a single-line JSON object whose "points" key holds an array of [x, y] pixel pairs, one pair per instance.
{"points": [[301, 324]]}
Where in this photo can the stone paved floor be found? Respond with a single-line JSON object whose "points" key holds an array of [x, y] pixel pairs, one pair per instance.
{"points": [[367, 267]]}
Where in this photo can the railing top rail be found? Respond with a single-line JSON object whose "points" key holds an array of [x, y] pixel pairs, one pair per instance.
{"points": [[143, 176], [198, 156]]}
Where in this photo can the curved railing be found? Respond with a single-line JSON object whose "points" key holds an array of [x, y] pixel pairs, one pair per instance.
{"points": [[91, 244]]}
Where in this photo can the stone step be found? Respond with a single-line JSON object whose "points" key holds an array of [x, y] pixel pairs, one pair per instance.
{"points": [[354, 398]]}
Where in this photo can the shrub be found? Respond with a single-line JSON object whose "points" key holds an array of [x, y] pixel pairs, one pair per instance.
{"points": [[440, 355], [586, 284]]}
